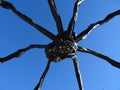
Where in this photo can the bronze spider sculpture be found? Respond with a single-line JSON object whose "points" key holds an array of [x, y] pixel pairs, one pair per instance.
{"points": [[64, 44]]}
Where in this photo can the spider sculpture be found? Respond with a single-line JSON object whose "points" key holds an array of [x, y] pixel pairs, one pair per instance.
{"points": [[64, 44]]}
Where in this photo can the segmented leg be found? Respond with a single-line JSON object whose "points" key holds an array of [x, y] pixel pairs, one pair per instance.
{"points": [[74, 17], [57, 17], [38, 86], [77, 71], [106, 58], [20, 52], [8, 5], [91, 27]]}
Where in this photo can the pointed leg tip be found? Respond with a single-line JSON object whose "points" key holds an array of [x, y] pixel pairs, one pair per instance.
{"points": [[1, 60]]}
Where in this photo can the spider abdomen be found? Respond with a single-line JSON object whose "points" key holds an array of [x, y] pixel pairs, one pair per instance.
{"points": [[56, 51]]}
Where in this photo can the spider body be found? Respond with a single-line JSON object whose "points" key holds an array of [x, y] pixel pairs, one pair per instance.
{"points": [[58, 50], [64, 44]]}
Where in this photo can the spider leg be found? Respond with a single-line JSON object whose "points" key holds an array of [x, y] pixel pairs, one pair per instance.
{"points": [[57, 17], [91, 27], [20, 52], [74, 17], [77, 71], [8, 5], [106, 58], [38, 86]]}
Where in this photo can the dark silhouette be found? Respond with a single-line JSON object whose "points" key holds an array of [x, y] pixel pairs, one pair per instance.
{"points": [[64, 44]]}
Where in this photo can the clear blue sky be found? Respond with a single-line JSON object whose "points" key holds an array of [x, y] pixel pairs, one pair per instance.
{"points": [[23, 73]]}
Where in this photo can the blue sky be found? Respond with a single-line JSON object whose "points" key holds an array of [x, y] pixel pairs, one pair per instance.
{"points": [[23, 73]]}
